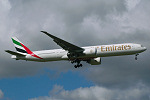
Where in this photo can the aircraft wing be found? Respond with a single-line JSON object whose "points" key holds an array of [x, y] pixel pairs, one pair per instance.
{"points": [[64, 44]]}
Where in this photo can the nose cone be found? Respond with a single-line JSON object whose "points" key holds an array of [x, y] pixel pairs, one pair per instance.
{"points": [[144, 48]]}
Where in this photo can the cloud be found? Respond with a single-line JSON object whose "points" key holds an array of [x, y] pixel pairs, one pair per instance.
{"points": [[131, 4], [1, 94], [138, 92]]}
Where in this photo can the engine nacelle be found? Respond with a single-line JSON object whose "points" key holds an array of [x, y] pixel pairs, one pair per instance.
{"points": [[95, 61]]}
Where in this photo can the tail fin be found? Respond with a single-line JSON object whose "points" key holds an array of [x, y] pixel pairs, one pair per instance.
{"points": [[20, 47], [22, 50]]}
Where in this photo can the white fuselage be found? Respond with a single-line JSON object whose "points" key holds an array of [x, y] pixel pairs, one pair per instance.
{"points": [[89, 52]]}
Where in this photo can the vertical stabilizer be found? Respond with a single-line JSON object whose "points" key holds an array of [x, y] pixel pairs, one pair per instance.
{"points": [[21, 48], [18, 45]]}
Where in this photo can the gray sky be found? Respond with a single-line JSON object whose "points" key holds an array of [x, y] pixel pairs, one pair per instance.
{"points": [[82, 22]]}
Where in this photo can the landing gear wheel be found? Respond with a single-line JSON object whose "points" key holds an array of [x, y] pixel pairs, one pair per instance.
{"points": [[136, 56], [75, 66], [80, 65]]}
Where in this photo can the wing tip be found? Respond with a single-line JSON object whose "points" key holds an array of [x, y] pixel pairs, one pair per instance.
{"points": [[48, 34], [43, 31]]}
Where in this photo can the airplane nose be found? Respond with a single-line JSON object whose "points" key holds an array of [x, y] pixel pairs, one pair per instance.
{"points": [[144, 48]]}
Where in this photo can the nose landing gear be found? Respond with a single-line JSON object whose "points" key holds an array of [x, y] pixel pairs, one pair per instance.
{"points": [[136, 56]]}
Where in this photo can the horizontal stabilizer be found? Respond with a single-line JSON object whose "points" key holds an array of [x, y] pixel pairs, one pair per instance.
{"points": [[14, 53]]}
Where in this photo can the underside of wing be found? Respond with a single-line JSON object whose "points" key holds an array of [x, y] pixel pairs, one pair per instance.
{"points": [[64, 44]]}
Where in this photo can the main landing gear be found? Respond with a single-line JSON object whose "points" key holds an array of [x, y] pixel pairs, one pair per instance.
{"points": [[78, 63], [136, 56]]}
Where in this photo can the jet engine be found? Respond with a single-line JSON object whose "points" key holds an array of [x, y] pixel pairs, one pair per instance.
{"points": [[95, 61]]}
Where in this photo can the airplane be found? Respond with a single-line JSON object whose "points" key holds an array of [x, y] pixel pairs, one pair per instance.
{"points": [[73, 53]]}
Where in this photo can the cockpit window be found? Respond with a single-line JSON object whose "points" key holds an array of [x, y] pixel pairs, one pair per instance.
{"points": [[141, 45]]}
